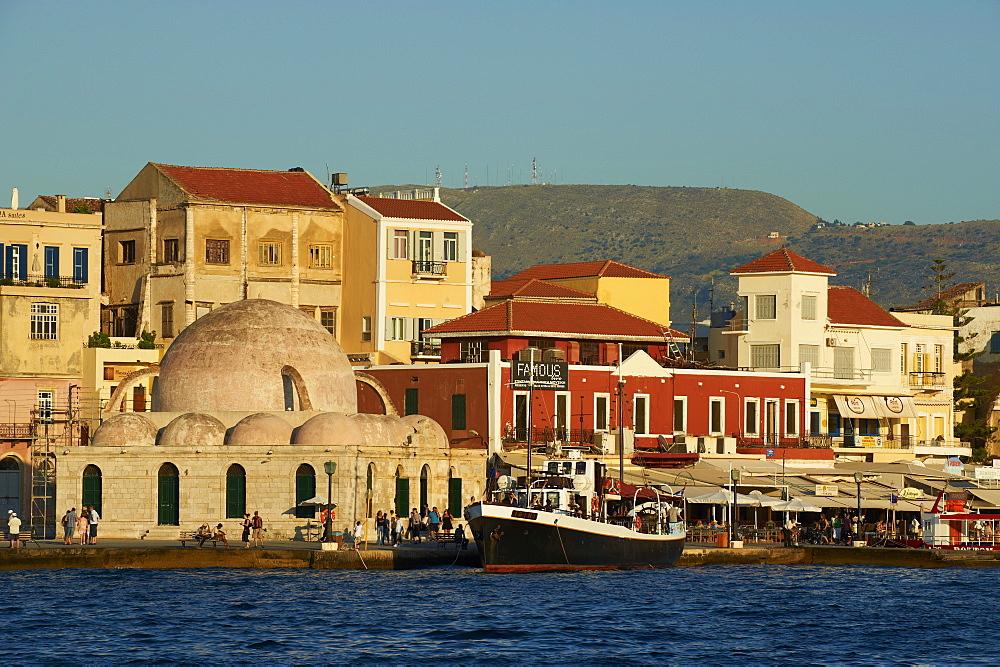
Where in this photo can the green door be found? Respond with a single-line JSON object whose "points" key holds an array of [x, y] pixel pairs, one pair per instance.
{"points": [[92, 488], [305, 489], [402, 496], [236, 492], [169, 499], [455, 496]]}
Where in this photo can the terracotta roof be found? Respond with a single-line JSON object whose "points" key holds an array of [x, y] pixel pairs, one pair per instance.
{"points": [[950, 295], [412, 209], [783, 260], [251, 186], [846, 305], [533, 287], [607, 268], [92, 204], [567, 320]]}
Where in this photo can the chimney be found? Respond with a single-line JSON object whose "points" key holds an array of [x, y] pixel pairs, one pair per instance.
{"points": [[61, 203], [437, 195]]}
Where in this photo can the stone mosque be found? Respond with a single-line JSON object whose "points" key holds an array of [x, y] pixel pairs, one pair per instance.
{"points": [[250, 401]]}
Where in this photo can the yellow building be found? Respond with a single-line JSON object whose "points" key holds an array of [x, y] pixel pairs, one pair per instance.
{"points": [[181, 241], [636, 291], [409, 267]]}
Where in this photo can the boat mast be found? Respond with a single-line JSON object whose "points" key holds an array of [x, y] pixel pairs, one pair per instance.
{"points": [[621, 426], [531, 387]]}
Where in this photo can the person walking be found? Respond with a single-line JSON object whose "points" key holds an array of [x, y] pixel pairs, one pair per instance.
{"points": [[257, 523], [95, 518], [446, 520], [69, 525], [380, 523], [247, 525], [788, 531], [415, 526], [83, 527], [434, 522], [400, 530], [13, 529], [359, 534]]}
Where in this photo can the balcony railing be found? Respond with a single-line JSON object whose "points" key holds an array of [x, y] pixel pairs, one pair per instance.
{"points": [[423, 268], [539, 435], [36, 280], [925, 379], [425, 348], [10, 431]]}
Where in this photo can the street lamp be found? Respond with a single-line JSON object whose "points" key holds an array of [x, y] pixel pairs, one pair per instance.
{"points": [[330, 467], [858, 476], [734, 475]]}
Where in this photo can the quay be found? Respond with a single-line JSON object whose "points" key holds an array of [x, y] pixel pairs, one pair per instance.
{"points": [[167, 555]]}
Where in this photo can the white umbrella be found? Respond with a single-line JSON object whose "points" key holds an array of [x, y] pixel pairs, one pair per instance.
{"points": [[795, 505], [724, 497], [765, 501], [317, 501]]}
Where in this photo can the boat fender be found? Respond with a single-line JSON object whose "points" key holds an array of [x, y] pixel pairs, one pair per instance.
{"points": [[638, 523], [595, 505]]}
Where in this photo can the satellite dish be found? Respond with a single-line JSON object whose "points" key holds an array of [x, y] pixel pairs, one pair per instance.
{"points": [[582, 483], [506, 483]]}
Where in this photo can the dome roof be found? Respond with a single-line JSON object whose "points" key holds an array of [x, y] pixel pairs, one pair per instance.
{"points": [[383, 429], [428, 428], [255, 354], [194, 430], [329, 429], [261, 429], [128, 428]]}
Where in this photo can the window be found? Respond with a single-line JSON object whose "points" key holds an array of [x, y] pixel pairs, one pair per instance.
{"points": [[17, 262], [765, 306], [411, 401], [51, 261], [450, 253], [402, 498], [751, 410], [716, 416], [126, 252], [400, 244], [791, 418], [217, 251], [167, 320], [843, 363], [994, 343], [808, 307], [590, 354], [454, 494], [269, 253], [46, 399], [815, 419], [680, 414], [328, 318], [902, 358], [938, 358], [881, 360], [640, 414], [471, 351], [396, 329], [808, 354], [109, 373], [44, 321], [171, 250], [602, 414], [321, 256], [425, 478], [425, 246], [834, 422], [366, 328], [81, 265], [305, 489], [765, 356], [458, 422], [521, 416]]}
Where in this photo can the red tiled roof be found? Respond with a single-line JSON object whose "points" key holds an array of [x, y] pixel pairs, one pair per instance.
{"points": [[846, 305], [92, 204], [956, 293], [607, 268], [570, 320], [535, 288], [412, 209], [783, 260], [251, 186]]}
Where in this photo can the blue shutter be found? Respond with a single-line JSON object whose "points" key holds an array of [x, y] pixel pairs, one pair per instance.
{"points": [[3, 265], [8, 263], [22, 273], [51, 262], [80, 265]]}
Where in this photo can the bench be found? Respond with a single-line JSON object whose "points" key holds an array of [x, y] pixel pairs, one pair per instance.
{"points": [[26, 536], [445, 538], [192, 536]]}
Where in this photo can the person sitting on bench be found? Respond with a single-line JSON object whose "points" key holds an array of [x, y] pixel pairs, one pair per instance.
{"points": [[204, 533], [220, 535], [460, 538]]}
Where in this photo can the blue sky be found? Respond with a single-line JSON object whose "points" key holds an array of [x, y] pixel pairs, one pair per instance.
{"points": [[874, 111]]}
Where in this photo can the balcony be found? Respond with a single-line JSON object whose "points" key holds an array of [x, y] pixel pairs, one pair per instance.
{"points": [[10, 431], [36, 280], [514, 436], [927, 380], [738, 324], [423, 269], [425, 349]]}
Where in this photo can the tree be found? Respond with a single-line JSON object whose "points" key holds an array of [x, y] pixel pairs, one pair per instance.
{"points": [[909, 222], [939, 281], [147, 340], [99, 339]]}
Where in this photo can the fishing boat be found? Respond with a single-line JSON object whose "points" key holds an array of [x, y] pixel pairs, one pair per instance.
{"points": [[951, 524], [573, 517]]}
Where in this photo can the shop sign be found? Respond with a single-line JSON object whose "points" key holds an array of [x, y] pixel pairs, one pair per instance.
{"points": [[987, 473], [869, 440], [827, 490], [539, 375], [911, 493]]}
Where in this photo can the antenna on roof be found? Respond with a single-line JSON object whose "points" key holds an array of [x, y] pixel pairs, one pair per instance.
{"points": [[534, 171], [437, 176], [466, 175]]}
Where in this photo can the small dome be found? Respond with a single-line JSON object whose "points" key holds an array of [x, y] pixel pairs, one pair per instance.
{"points": [[383, 429], [428, 428], [261, 429], [254, 355], [126, 429], [329, 429], [193, 430]]}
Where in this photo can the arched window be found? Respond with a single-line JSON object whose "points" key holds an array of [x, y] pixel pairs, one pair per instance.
{"points": [[305, 489], [425, 474], [370, 488], [169, 495], [236, 491], [92, 486], [454, 494], [402, 499], [10, 485]]}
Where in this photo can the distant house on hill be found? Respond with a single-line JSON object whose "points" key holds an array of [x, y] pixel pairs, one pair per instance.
{"points": [[62, 204], [961, 296]]}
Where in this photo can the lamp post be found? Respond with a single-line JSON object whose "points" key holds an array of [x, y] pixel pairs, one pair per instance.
{"points": [[330, 467], [734, 475], [858, 476]]}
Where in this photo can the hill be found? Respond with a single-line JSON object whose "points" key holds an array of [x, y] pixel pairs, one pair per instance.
{"points": [[696, 235]]}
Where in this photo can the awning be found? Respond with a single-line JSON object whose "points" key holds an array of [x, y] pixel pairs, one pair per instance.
{"points": [[875, 407]]}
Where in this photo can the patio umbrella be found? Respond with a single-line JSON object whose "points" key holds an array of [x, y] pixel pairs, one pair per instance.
{"points": [[724, 497], [765, 501], [795, 505], [315, 502]]}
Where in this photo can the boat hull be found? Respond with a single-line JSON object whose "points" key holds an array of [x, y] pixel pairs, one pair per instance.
{"points": [[518, 540]]}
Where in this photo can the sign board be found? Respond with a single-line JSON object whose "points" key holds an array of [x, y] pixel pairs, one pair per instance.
{"points": [[911, 493], [868, 440], [827, 490], [539, 375], [769, 453], [954, 464], [987, 473]]}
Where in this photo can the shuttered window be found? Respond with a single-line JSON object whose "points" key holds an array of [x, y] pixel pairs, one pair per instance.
{"points": [[765, 356]]}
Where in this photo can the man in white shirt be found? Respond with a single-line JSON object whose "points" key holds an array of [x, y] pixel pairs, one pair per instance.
{"points": [[13, 528], [94, 518]]}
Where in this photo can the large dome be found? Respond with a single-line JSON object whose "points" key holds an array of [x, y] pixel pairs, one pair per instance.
{"points": [[255, 355]]}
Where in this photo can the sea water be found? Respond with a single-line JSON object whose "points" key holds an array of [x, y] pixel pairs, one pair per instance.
{"points": [[732, 615]]}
